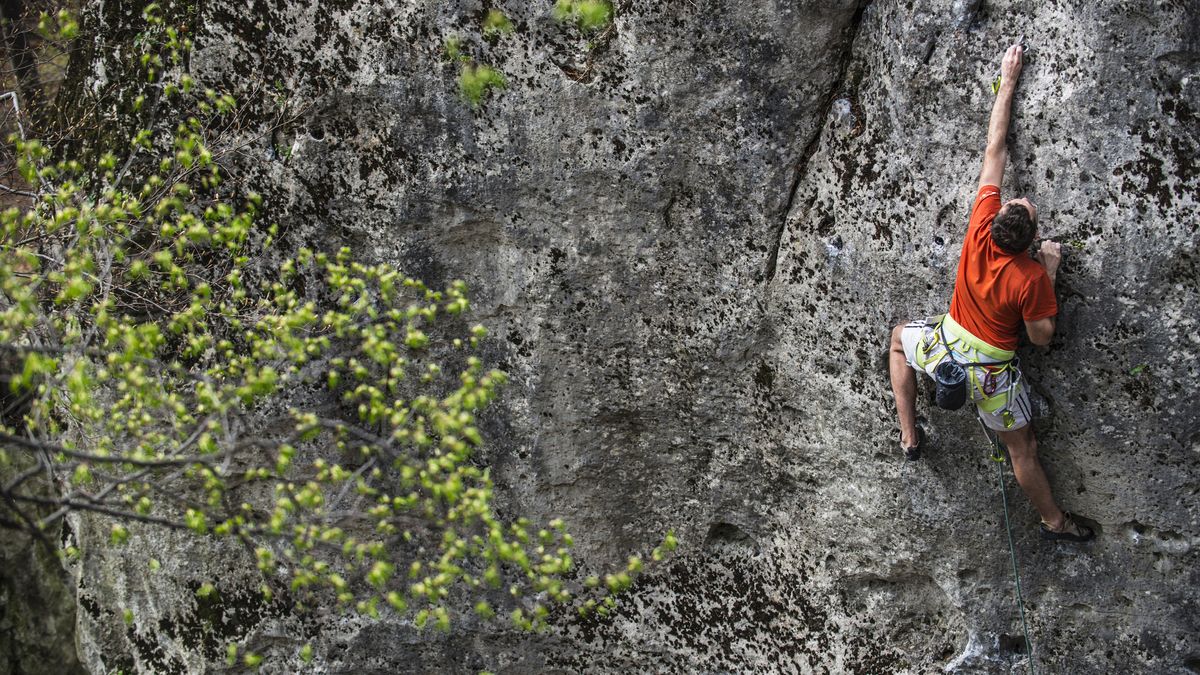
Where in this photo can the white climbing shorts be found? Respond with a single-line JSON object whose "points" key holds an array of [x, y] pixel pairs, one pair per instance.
{"points": [[998, 392]]}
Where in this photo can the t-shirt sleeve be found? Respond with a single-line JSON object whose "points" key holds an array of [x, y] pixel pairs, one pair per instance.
{"points": [[1038, 300], [987, 205]]}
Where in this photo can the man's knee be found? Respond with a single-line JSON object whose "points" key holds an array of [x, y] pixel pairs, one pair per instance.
{"points": [[1022, 445]]}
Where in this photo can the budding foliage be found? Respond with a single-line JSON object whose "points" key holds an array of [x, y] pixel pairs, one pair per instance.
{"points": [[324, 411]]}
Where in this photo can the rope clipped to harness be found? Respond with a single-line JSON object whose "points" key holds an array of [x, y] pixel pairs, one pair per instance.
{"points": [[997, 455]]}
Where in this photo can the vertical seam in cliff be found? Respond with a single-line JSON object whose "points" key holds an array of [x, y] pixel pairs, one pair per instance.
{"points": [[800, 170]]}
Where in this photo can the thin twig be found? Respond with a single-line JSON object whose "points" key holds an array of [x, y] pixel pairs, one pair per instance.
{"points": [[350, 482], [95, 499], [20, 478], [14, 191], [30, 526], [116, 513], [108, 459]]}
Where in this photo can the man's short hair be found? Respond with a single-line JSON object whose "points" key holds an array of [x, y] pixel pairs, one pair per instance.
{"points": [[1013, 228]]}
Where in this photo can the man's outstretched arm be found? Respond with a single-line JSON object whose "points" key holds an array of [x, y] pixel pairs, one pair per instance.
{"points": [[997, 145]]}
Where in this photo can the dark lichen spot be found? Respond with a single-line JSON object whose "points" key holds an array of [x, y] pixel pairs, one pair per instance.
{"points": [[764, 377]]}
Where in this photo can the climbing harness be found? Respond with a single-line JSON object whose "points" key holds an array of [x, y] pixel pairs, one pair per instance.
{"points": [[951, 376], [997, 456]]}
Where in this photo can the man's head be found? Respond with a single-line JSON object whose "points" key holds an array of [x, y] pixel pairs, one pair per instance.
{"points": [[1015, 225]]}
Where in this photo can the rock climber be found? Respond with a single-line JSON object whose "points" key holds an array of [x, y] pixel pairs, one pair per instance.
{"points": [[999, 288]]}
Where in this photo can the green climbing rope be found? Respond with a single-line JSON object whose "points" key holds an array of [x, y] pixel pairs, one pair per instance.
{"points": [[999, 457]]}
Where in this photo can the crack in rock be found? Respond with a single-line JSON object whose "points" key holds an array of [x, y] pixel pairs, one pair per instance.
{"points": [[800, 170]]}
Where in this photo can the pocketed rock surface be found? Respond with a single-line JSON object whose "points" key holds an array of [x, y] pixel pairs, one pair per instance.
{"points": [[690, 241]]}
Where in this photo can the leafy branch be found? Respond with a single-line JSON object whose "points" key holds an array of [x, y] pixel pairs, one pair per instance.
{"points": [[322, 411]]}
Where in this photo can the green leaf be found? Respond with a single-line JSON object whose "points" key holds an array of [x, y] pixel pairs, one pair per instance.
{"points": [[453, 47], [483, 609], [396, 602], [475, 82], [670, 542], [82, 475], [496, 23], [588, 15]]}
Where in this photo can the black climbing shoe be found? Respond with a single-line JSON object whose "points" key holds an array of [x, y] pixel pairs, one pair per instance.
{"points": [[914, 453], [1070, 531]]}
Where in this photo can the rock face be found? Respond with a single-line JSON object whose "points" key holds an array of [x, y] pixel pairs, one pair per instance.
{"points": [[37, 611], [691, 235]]}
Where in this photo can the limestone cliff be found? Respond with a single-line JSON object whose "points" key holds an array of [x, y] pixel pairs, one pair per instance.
{"points": [[691, 236]]}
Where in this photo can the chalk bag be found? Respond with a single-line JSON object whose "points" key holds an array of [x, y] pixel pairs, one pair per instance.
{"points": [[950, 380]]}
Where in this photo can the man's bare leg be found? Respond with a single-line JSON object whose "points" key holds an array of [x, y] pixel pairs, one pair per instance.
{"points": [[1022, 449], [904, 387]]}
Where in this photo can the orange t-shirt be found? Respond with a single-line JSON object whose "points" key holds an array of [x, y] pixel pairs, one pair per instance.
{"points": [[997, 291]]}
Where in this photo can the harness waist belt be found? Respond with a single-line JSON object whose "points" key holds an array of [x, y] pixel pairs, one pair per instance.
{"points": [[954, 328]]}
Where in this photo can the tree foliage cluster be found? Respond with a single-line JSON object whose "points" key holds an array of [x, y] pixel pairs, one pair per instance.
{"points": [[319, 410]]}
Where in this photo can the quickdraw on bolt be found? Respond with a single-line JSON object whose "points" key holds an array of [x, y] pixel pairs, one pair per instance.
{"points": [[996, 80], [997, 454]]}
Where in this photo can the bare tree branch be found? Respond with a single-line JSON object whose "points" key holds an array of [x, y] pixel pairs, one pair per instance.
{"points": [[109, 459]]}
